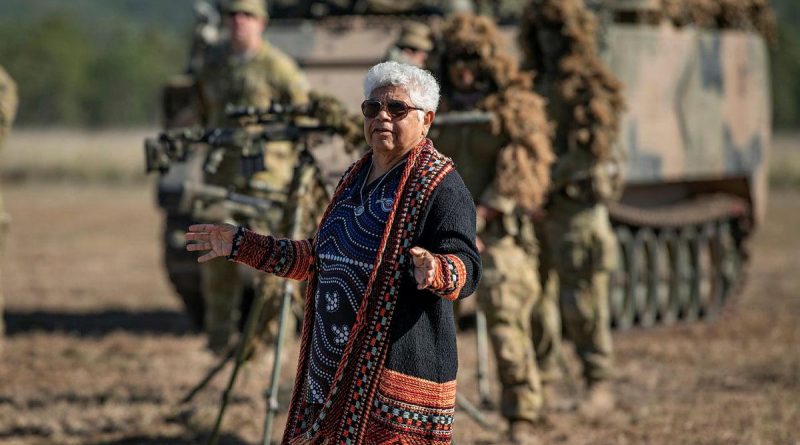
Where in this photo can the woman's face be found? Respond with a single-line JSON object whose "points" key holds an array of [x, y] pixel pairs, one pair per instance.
{"points": [[395, 136]]}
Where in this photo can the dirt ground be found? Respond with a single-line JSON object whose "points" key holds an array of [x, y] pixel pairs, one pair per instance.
{"points": [[99, 352]]}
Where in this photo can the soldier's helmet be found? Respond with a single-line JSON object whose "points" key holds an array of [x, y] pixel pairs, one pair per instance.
{"points": [[640, 11], [416, 36], [635, 5], [256, 8]]}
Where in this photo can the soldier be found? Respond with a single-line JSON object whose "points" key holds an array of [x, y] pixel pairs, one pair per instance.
{"points": [[244, 70], [413, 45], [8, 109], [506, 168], [584, 101]]}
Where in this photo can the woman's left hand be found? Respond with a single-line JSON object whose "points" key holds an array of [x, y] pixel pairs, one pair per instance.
{"points": [[425, 265]]}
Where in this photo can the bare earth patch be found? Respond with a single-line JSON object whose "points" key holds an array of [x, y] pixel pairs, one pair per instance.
{"points": [[99, 352]]}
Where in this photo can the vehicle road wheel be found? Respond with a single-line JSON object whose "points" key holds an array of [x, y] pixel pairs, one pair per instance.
{"points": [[666, 303], [727, 260], [621, 292], [708, 285], [643, 272], [684, 274]]}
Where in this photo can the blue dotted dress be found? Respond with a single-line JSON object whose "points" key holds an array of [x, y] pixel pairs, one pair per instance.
{"points": [[347, 246]]}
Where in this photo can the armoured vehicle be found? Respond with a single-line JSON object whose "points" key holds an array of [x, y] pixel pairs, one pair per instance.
{"points": [[696, 138], [696, 135]]}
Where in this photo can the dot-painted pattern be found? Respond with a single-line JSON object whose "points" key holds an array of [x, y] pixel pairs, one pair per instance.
{"points": [[347, 247]]}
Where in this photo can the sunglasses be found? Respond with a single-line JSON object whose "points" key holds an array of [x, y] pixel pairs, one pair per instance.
{"points": [[397, 109], [233, 14]]}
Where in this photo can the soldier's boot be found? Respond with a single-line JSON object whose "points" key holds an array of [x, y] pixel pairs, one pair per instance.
{"points": [[523, 432], [599, 400], [219, 341]]}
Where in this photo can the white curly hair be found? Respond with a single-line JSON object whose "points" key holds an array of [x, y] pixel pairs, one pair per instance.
{"points": [[421, 86]]}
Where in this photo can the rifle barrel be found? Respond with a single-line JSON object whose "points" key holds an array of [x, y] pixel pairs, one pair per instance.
{"points": [[462, 118]]}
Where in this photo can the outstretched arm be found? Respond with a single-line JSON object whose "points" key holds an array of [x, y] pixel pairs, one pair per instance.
{"points": [[282, 257]]}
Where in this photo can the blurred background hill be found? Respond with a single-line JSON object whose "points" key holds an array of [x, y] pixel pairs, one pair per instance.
{"points": [[92, 63], [100, 63]]}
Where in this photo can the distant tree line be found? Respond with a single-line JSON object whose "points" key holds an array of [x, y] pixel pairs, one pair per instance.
{"points": [[71, 75], [785, 71], [95, 63]]}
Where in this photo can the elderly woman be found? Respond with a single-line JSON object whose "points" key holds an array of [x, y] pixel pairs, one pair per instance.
{"points": [[395, 247]]}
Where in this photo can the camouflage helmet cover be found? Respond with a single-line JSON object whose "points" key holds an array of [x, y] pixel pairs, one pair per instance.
{"points": [[635, 5], [253, 7], [416, 36]]}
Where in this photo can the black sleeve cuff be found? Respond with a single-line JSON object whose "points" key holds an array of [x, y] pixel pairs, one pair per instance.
{"points": [[237, 241]]}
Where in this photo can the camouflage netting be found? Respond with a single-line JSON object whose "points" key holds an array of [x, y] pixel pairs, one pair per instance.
{"points": [[589, 90], [523, 165], [747, 15], [332, 112], [468, 34]]}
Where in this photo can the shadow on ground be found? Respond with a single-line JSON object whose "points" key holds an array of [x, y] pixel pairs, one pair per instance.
{"points": [[97, 324], [225, 439]]}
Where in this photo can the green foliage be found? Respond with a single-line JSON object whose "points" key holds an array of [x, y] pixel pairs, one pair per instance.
{"points": [[126, 78], [48, 62], [102, 63], [77, 75], [785, 66], [785, 71]]}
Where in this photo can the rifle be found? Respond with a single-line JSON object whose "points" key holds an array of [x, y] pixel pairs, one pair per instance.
{"points": [[257, 126]]}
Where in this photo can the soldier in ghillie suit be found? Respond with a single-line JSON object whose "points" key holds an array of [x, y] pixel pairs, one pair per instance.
{"points": [[8, 109], [244, 70], [585, 103], [744, 15], [506, 167]]}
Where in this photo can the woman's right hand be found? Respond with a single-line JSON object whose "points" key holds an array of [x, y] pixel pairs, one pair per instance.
{"points": [[217, 239]]}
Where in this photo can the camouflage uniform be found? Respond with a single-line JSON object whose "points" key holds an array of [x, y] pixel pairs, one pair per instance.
{"points": [[578, 252], [245, 80], [579, 246], [581, 251], [8, 109], [509, 286]]}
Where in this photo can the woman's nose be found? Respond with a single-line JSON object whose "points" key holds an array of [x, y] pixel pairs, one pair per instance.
{"points": [[384, 115]]}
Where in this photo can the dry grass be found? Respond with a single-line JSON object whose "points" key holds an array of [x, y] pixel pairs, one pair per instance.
{"points": [[784, 163], [98, 351], [117, 156], [67, 155]]}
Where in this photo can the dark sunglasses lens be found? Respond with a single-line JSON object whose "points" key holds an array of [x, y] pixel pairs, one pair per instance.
{"points": [[233, 14], [370, 108], [397, 108]]}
